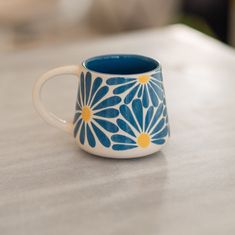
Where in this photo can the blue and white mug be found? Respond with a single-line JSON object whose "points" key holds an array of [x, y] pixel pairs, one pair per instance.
{"points": [[120, 107]]}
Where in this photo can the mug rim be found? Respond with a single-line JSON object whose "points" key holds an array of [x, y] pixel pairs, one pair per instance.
{"points": [[155, 62]]}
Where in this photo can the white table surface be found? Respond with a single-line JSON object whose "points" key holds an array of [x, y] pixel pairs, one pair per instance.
{"points": [[49, 186]]}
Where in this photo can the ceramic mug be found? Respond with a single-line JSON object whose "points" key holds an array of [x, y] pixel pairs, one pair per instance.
{"points": [[120, 107]]}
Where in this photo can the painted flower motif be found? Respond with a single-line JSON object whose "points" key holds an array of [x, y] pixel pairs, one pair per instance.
{"points": [[94, 112], [147, 87], [140, 129]]}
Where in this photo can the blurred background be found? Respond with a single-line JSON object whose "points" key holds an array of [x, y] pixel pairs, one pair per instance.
{"points": [[39, 23]]}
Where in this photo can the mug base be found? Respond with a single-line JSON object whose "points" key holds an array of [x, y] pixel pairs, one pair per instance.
{"points": [[126, 154]]}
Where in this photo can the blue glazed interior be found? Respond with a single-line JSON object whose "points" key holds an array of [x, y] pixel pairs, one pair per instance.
{"points": [[121, 64]]}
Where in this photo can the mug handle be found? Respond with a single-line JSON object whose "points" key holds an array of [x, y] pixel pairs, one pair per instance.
{"points": [[50, 117]]}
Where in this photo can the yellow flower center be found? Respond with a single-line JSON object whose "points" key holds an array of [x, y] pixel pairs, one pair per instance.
{"points": [[143, 140], [86, 113], [143, 79]]}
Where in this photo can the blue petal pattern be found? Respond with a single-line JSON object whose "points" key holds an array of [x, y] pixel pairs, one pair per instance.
{"points": [[122, 139], [158, 75], [108, 113], [125, 127], [159, 142], [157, 90], [159, 126], [77, 115], [148, 118], [161, 134], [148, 113], [138, 111], [119, 80], [99, 95], [90, 137], [145, 98], [107, 125], [77, 126], [114, 100], [140, 91], [92, 125], [157, 83], [156, 116], [95, 87], [123, 147], [127, 114], [123, 88], [101, 136], [131, 95], [82, 134], [88, 85], [150, 92], [152, 124], [82, 87], [165, 114], [153, 96], [79, 101]]}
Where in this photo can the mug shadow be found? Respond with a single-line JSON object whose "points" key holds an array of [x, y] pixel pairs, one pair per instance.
{"points": [[131, 188]]}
